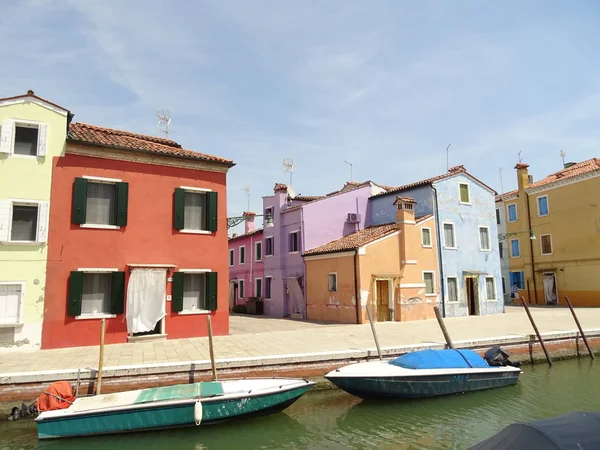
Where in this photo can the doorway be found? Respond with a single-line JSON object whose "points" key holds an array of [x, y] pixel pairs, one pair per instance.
{"points": [[382, 288], [233, 295], [472, 287], [550, 291]]}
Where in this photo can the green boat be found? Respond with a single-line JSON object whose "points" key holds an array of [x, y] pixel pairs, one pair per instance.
{"points": [[183, 405]]}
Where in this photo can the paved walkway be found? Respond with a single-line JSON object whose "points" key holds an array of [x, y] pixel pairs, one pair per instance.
{"points": [[253, 336]]}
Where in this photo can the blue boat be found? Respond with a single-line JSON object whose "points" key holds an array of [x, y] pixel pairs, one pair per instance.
{"points": [[424, 373], [197, 404]]}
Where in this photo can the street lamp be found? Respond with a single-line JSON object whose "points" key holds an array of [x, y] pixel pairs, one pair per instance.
{"points": [[503, 236], [233, 221]]}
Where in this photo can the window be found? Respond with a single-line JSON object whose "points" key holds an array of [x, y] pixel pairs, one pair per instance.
{"points": [[100, 202], [96, 293], [294, 241], [269, 246], [464, 193], [268, 287], [512, 212], [194, 291], [269, 212], [542, 203], [332, 281], [23, 138], [258, 289], [11, 303], [497, 216], [242, 254], [490, 288], [241, 288], [426, 237], [452, 284], [258, 251], [449, 237], [503, 286], [484, 238], [195, 210], [23, 221], [501, 250], [231, 257], [546, 244], [429, 283], [515, 249], [518, 279]]}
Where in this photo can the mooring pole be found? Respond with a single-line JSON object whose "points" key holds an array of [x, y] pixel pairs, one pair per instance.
{"points": [[438, 316], [211, 350], [537, 332], [374, 333], [580, 329], [78, 382], [101, 359]]}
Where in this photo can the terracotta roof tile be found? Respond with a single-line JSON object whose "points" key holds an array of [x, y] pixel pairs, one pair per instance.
{"points": [[590, 165], [250, 233], [506, 195], [354, 240], [308, 198], [95, 135]]}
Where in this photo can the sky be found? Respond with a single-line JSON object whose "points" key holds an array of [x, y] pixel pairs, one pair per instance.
{"points": [[383, 85]]}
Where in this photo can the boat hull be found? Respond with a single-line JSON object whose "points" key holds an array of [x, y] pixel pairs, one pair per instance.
{"points": [[154, 416]]}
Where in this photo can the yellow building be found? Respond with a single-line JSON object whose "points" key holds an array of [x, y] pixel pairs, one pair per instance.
{"points": [[552, 239], [32, 135]]}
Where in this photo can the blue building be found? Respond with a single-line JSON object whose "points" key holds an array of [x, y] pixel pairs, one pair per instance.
{"points": [[469, 277]]}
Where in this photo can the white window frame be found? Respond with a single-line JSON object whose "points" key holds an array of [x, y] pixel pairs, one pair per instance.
{"points": [[270, 285], [453, 234], [454, 302], [240, 253], [489, 235], [21, 320], [101, 180], [542, 245], [537, 201], [42, 128], [189, 312], [434, 293], [256, 245], [262, 288], [508, 213], [195, 190], [297, 233], [511, 248], [495, 299], [231, 257], [272, 247], [42, 221], [430, 238], [336, 282], [241, 288], [468, 185], [101, 315]]}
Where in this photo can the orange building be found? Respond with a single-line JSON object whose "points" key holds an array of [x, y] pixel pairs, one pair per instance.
{"points": [[138, 236], [391, 268]]}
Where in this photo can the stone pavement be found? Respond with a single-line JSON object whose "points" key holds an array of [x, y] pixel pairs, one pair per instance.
{"points": [[253, 336]]}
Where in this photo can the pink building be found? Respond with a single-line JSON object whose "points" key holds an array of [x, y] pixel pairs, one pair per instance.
{"points": [[246, 271]]}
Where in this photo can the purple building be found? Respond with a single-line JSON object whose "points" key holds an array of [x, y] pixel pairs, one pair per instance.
{"points": [[302, 223]]}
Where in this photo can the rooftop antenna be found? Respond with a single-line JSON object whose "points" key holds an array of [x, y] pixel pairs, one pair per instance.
{"points": [[164, 120], [562, 155], [246, 191], [448, 157], [501, 183], [288, 167], [519, 156], [350, 164]]}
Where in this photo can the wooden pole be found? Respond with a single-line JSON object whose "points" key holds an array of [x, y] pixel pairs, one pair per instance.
{"points": [[537, 332], [580, 329], [101, 359], [374, 333], [78, 382], [210, 349], [438, 316]]}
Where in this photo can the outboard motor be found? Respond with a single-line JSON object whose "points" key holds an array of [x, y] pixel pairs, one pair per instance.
{"points": [[16, 413], [495, 356]]}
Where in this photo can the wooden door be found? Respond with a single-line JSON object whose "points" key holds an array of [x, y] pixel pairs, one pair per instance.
{"points": [[383, 300]]}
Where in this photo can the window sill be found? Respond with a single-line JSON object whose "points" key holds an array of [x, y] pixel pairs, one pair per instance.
{"points": [[258, 260], [22, 243], [293, 253], [493, 300], [95, 316], [546, 254], [268, 256], [100, 226], [430, 295], [466, 203], [485, 249], [194, 312], [450, 248], [11, 325], [16, 155], [453, 302], [195, 231], [426, 246]]}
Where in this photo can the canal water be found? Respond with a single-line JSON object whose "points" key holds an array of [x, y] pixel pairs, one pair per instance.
{"points": [[334, 420]]}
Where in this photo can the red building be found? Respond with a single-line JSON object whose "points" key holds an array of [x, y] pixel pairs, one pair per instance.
{"points": [[137, 235]]}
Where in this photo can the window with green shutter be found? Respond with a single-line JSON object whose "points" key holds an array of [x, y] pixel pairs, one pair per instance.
{"points": [[464, 193], [211, 291], [117, 297], [75, 294], [193, 291], [97, 202], [177, 292], [194, 210], [96, 293]]}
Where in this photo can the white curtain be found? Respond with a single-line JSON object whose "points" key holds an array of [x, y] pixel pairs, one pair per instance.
{"points": [[549, 289], [297, 296], [146, 295]]}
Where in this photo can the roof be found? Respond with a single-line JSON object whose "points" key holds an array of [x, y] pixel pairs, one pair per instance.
{"points": [[506, 195], [453, 171], [31, 94], [108, 137], [308, 198], [354, 240], [245, 235], [588, 166]]}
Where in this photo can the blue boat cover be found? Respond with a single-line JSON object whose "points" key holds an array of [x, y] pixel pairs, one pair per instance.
{"points": [[441, 359]]}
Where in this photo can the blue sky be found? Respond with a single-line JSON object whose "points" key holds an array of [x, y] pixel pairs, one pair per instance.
{"points": [[385, 85]]}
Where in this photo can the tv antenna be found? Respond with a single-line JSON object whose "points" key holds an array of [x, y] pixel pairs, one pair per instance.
{"points": [[562, 155], [350, 164], [288, 167], [164, 120], [246, 191], [448, 157], [519, 156]]}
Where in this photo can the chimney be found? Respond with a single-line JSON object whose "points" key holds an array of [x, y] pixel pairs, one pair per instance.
{"points": [[405, 212], [522, 176], [280, 188], [405, 223], [457, 169], [249, 225], [569, 164], [30, 92]]}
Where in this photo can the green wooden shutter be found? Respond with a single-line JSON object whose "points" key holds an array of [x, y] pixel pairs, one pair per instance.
{"points": [[177, 292], [122, 200], [117, 295], [212, 205], [211, 291], [75, 294], [79, 200], [179, 209]]}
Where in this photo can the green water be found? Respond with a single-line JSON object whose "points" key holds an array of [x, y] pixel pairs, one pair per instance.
{"points": [[335, 420]]}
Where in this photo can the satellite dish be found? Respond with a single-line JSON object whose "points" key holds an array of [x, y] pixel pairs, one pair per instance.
{"points": [[291, 191]]}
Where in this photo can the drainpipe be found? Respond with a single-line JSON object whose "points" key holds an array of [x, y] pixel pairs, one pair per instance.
{"points": [[356, 287], [531, 248], [252, 284], [439, 247]]}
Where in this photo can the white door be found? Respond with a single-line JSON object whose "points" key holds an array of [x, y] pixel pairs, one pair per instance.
{"points": [[550, 294], [10, 303]]}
